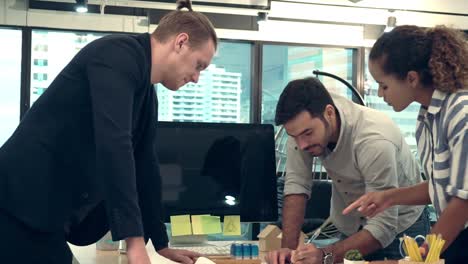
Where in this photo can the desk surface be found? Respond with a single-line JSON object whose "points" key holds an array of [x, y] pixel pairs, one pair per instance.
{"points": [[89, 255]]}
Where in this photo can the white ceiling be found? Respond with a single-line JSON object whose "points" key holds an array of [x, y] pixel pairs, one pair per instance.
{"points": [[445, 6]]}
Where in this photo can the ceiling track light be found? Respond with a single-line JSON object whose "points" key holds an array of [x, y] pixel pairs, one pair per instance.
{"points": [[262, 17], [391, 23], [81, 6]]}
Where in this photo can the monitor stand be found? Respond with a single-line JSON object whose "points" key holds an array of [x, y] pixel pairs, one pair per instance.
{"points": [[189, 240]]}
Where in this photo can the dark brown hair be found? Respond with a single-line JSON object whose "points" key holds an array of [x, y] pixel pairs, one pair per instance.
{"points": [[439, 55], [195, 24], [306, 94]]}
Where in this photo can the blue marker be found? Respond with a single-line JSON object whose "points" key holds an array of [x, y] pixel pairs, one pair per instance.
{"points": [[254, 251], [237, 251], [246, 251]]}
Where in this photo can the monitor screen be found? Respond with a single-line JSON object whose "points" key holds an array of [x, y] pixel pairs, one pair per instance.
{"points": [[218, 169]]}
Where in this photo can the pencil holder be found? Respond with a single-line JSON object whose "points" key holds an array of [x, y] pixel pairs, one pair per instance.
{"points": [[345, 261], [402, 261]]}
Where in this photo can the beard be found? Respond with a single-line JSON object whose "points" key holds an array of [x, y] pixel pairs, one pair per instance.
{"points": [[319, 149], [315, 150]]}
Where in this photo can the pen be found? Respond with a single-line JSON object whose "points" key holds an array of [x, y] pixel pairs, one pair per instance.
{"points": [[318, 230]]}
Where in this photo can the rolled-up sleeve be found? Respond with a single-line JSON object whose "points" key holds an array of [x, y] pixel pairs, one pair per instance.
{"points": [[458, 150], [378, 165], [298, 178]]}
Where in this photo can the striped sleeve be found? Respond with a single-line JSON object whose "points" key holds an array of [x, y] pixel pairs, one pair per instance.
{"points": [[457, 138]]}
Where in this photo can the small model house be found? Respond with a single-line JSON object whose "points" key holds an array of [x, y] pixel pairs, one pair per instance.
{"points": [[270, 238]]}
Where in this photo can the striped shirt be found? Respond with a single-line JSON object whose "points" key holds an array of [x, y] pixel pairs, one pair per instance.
{"points": [[443, 145]]}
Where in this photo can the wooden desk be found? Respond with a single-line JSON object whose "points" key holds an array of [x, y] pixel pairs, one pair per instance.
{"points": [[89, 255]]}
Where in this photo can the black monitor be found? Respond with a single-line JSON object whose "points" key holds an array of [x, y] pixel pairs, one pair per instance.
{"points": [[218, 169]]}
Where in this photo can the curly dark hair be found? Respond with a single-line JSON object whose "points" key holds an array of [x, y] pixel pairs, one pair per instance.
{"points": [[439, 55], [307, 94]]}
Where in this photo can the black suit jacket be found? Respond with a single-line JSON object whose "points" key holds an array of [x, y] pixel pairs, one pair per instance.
{"points": [[90, 139]]}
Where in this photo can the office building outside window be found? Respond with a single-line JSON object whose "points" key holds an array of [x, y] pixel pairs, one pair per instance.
{"points": [[50, 53], [282, 64], [10, 74], [222, 94]]}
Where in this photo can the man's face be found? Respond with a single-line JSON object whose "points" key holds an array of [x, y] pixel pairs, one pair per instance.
{"points": [[187, 63], [312, 134]]}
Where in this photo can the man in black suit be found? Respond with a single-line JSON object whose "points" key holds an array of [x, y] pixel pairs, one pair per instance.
{"points": [[83, 160]]}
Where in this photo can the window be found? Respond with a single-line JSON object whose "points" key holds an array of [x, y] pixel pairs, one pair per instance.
{"points": [[10, 74], [282, 64], [405, 119], [224, 87], [41, 48], [38, 90], [40, 76], [41, 62], [51, 52]]}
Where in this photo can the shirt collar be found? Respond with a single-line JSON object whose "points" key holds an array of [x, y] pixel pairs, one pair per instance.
{"points": [[438, 97], [343, 125]]}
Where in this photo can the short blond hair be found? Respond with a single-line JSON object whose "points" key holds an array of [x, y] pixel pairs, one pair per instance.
{"points": [[195, 24]]}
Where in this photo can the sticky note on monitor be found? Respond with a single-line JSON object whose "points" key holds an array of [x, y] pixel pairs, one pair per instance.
{"points": [[211, 224], [206, 224], [180, 225], [197, 226], [232, 225]]}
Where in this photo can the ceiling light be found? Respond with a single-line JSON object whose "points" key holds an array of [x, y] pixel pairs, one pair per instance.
{"points": [[391, 23], [81, 6], [262, 17]]}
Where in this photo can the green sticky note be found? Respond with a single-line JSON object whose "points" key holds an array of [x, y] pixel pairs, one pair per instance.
{"points": [[210, 224], [232, 225], [180, 225], [197, 224]]}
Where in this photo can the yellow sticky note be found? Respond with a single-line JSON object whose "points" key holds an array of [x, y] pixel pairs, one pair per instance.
{"points": [[197, 224], [210, 224], [180, 225], [232, 225]]}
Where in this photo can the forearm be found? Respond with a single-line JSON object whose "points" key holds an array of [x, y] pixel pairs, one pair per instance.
{"points": [[362, 241], [293, 218], [414, 195], [135, 243], [452, 220]]}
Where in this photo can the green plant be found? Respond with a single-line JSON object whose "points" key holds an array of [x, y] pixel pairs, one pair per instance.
{"points": [[353, 254]]}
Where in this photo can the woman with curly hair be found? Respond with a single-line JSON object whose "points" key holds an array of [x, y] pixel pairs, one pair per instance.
{"points": [[429, 66]]}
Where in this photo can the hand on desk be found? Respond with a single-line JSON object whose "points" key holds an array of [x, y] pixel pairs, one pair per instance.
{"points": [[307, 254], [136, 251], [179, 255], [280, 256]]}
